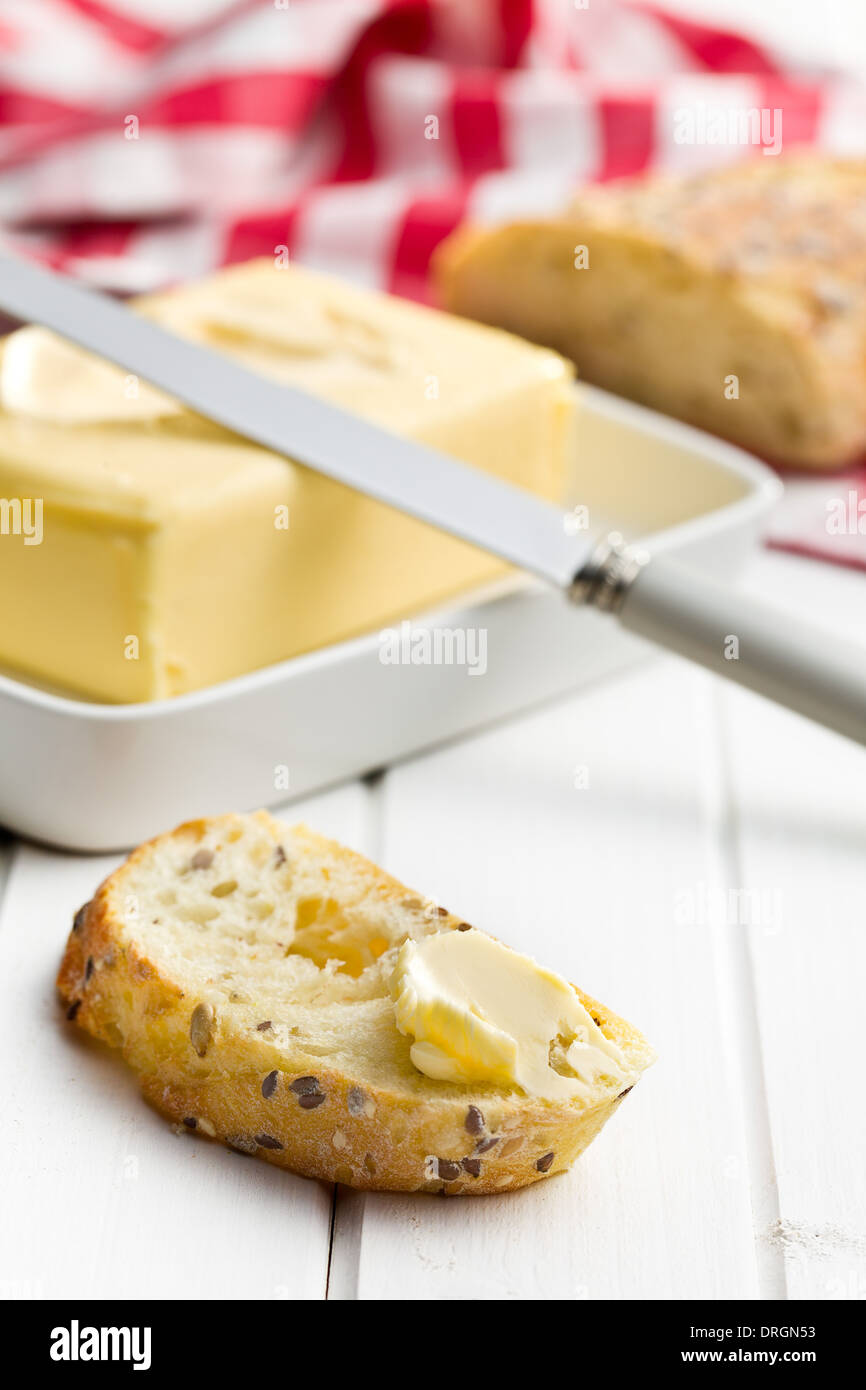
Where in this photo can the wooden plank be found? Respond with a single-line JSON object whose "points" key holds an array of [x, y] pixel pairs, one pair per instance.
{"points": [[591, 881], [799, 828], [100, 1198]]}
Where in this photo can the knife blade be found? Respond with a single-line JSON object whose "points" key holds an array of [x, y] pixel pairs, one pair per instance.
{"points": [[423, 482]]}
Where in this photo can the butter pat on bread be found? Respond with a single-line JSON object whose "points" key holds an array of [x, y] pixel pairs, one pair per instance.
{"points": [[735, 299], [258, 980], [478, 1011]]}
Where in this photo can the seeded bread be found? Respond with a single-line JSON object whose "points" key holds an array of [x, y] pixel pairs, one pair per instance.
{"points": [[735, 300], [242, 967]]}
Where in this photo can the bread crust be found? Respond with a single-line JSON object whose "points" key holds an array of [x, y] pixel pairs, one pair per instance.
{"points": [[753, 274], [235, 1085]]}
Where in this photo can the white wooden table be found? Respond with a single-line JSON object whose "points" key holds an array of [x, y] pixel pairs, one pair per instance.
{"points": [[709, 882]]}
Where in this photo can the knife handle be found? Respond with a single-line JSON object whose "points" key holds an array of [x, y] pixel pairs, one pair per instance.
{"points": [[730, 633]]}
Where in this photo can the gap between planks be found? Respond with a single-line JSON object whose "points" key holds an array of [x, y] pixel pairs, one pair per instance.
{"points": [[347, 1205], [739, 1003]]}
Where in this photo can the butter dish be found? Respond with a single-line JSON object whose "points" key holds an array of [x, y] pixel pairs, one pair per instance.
{"points": [[95, 777]]}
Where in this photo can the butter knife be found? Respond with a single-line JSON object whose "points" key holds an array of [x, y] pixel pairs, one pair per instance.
{"points": [[662, 600]]}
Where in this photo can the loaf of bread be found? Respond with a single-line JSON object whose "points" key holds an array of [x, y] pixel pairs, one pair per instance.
{"points": [[735, 300], [244, 969]]}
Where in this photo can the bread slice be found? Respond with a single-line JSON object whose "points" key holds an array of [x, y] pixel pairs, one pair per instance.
{"points": [[735, 300], [243, 968]]}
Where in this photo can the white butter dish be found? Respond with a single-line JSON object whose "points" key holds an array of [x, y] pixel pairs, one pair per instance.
{"points": [[98, 777]]}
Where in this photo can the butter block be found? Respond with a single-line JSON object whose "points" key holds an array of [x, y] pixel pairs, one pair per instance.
{"points": [[172, 555]]}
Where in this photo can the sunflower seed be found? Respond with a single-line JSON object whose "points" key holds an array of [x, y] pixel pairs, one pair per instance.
{"points": [[240, 1144], [447, 1169], [511, 1146], [474, 1122], [267, 1141], [356, 1101], [304, 1085], [224, 890], [201, 1027], [310, 1102]]}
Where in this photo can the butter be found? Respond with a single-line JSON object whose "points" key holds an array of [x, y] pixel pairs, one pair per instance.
{"points": [[175, 555], [47, 378], [479, 1012]]}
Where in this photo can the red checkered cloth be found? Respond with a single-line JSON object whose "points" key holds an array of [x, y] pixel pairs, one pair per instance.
{"points": [[149, 141]]}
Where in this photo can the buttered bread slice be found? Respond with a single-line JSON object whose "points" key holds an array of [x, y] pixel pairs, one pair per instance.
{"points": [[284, 996], [151, 553], [735, 300]]}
